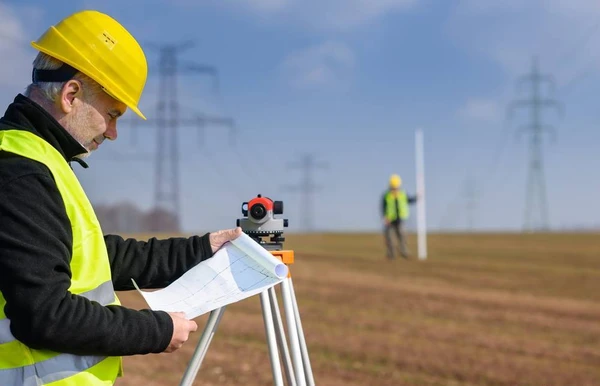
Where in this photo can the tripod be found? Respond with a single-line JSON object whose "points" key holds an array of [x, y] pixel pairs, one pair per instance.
{"points": [[298, 371]]}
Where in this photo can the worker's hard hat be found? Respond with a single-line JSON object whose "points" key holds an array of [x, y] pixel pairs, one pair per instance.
{"points": [[101, 48], [395, 181]]}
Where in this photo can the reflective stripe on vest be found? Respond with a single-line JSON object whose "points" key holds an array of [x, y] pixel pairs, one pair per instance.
{"points": [[90, 278], [396, 205]]}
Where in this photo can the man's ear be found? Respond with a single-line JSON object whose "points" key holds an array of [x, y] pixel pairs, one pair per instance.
{"points": [[69, 94]]}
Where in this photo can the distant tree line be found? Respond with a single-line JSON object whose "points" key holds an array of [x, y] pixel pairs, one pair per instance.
{"points": [[125, 217]]}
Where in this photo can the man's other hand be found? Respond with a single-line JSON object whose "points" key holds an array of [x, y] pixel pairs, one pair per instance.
{"points": [[217, 239], [181, 330]]}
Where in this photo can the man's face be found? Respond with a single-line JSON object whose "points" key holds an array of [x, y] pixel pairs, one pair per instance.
{"points": [[93, 120]]}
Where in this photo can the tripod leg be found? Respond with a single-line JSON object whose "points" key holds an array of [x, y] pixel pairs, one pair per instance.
{"points": [[293, 332], [202, 348], [289, 371], [307, 367], [271, 340]]}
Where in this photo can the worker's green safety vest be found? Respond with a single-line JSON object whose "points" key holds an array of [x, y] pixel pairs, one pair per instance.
{"points": [[396, 205], [91, 278]]}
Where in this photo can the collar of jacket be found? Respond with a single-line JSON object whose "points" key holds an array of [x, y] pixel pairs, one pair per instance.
{"points": [[25, 114]]}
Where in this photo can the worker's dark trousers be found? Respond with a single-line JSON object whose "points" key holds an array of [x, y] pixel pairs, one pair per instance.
{"points": [[399, 229]]}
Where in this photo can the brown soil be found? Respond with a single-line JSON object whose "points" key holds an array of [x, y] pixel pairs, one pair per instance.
{"points": [[481, 310]]}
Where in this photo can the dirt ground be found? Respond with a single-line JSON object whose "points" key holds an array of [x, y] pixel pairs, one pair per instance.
{"points": [[483, 309]]}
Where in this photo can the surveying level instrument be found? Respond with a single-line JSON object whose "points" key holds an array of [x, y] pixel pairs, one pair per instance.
{"points": [[260, 224]]}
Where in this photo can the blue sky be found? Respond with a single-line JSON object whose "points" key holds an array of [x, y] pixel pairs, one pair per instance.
{"points": [[349, 81]]}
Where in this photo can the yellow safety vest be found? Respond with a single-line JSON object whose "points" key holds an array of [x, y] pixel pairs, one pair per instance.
{"points": [[91, 278], [396, 205]]}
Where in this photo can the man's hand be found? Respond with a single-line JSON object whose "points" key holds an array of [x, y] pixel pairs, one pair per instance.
{"points": [[217, 239], [181, 330]]}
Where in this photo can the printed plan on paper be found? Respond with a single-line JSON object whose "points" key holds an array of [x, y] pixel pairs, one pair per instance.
{"points": [[240, 269]]}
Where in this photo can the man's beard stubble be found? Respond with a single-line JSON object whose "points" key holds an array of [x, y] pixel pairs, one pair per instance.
{"points": [[79, 129]]}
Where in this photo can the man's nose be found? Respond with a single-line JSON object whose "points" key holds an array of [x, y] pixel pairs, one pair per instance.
{"points": [[111, 131]]}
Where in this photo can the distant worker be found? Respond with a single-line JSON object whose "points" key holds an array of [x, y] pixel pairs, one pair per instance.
{"points": [[395, 212], [61, 323]]}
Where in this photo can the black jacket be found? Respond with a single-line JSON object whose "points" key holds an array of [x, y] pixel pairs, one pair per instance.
{"points": [[35, 251]]}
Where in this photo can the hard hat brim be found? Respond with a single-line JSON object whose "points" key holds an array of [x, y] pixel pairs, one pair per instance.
{"points": [[134, 108]]}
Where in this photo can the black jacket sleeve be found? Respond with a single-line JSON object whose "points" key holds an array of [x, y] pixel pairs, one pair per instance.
{"points": [[155, 263], [35, 251], [412, 199]]}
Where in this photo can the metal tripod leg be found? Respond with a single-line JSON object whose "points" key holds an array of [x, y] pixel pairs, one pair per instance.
{"points": [[305, 358], [281, 340], [209, 331], [298, 369], [271, 338], [211, 328], [290, 318]]}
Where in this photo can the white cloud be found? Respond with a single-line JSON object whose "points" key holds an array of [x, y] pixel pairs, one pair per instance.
{"points": [[16, 25], [562, 34], [345, 14], [14, 69], [263, 6], [483, 7], [318, 14], [325, 65], [255, 6], [482, 110]]}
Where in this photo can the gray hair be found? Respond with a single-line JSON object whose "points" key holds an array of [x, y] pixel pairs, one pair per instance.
{"points": [[51, 90]]}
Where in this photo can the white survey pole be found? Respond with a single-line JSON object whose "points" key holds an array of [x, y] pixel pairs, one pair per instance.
{"points": [[421, 224]]}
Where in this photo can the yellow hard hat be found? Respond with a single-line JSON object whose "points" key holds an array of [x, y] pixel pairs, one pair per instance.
{"points": [[101, 48], [395, 181]]}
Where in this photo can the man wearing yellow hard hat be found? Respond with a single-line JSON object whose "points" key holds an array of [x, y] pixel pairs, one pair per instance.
{"points": [[61, 322], [395, 211]]}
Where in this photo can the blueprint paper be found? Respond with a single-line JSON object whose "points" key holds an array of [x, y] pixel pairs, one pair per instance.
{"points": [[240, 269]]}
